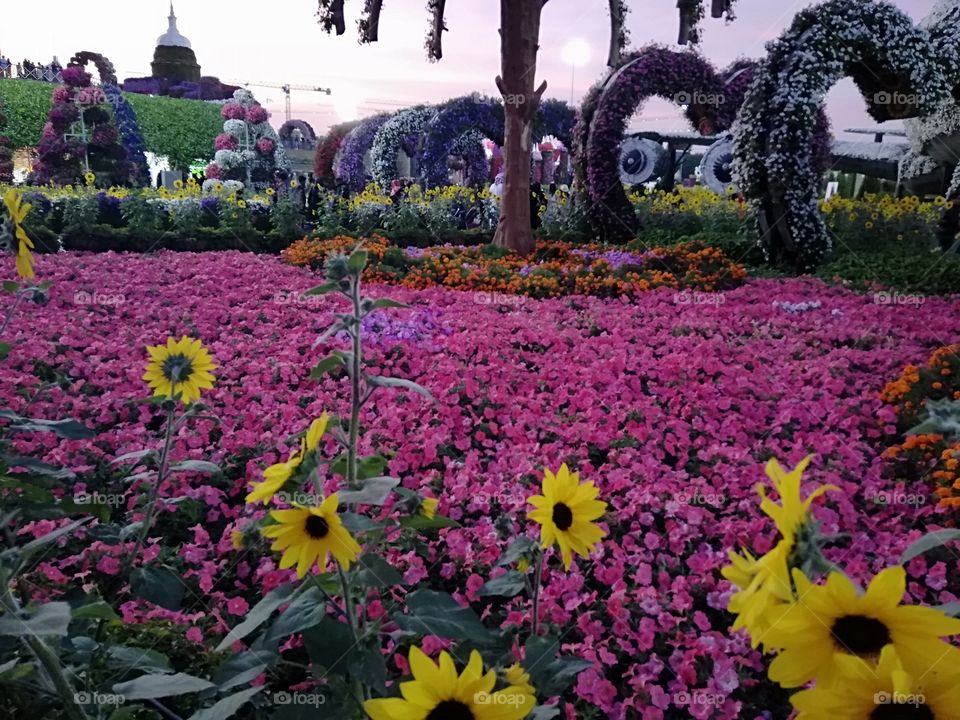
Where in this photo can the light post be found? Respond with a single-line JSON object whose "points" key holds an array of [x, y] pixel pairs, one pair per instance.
{"points": [[576, 53]]}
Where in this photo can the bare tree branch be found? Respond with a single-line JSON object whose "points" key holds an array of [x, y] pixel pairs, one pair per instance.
{"points": [[330, 13], [618, 31], [437, 26], [369, 24]]}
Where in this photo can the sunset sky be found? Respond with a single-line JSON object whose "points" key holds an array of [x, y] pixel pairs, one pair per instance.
{"points": [[280, 42]]}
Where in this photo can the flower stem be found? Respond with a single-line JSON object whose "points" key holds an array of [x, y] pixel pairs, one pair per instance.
{"points": [[360, 690], [537, 571], [12, 309], [151, 512], [355, 400]]}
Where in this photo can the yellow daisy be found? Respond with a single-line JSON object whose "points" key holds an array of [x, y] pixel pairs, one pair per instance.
{"points": [[885, 691], [179, 369], [308, 535], [428, 507], [832, 621], [17, 210], [566, 511], [438, 693]]}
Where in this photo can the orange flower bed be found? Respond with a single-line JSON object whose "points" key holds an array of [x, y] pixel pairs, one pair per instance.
{"points": [[554, 269], [939, 379]]}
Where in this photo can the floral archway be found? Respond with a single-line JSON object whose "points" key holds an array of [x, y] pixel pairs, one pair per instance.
{"points": [[306, 130], [349, 166], [327, 148], [895, 65], [108, 75], [401, 132], [456, 117], [685, 78]]}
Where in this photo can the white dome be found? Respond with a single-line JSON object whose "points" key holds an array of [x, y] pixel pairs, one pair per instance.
{"points": [[172, 37]]}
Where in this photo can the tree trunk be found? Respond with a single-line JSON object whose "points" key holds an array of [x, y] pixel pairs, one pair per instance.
{"points": [[519, 42]]}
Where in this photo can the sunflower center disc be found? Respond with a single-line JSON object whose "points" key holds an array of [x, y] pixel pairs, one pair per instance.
{"points": [[317, 527], [562, 516], [451, 710], [177, 368], [860, 635], [894, 711]]}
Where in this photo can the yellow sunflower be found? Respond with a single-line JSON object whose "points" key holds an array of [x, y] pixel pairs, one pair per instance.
{"points": [[516, 676], [865, 692], [316, 430], [792, 512], [763, 583], [274, 478], [310, 534], [566, 511], [832, 621], [438, 693], [181, 368], [17, 209]]}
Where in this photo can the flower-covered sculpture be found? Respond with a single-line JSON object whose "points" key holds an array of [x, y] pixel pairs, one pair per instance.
{"points": [[455, 117], [349, 165], [249, 149], [79, 137], [129, 129], [327, 149], [898, 68]]}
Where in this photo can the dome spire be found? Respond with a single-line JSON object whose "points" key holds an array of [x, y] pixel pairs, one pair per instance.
{"points": [[172, 37]]}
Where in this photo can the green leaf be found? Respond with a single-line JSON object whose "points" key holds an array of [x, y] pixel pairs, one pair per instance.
{"points": [[123, 657], [522, 546], [258, 615], [358, 524], [322, 289], [436, 613], [371, 466], [330, 645], [544, 712], [304, 612], [11, 286], [328, 364], [201, 466], [390, 382], [551, 675], [148, 687], [38, 467], [159, 585], [136, 455], [50, 620], [387, 303], [227, 707], [5, 349], [244, 667], [928, 542], [373, 492], [421, 522], [510, 584], [376, 572], [27, 491], [43, 541], [357, 261], [98, 610], [951, 608], [65, 429]]}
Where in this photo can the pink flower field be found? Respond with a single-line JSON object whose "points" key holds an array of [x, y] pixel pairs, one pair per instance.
{"points": [[670, 403]]}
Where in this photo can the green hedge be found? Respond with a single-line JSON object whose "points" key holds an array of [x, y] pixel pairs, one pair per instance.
{"points": [[183, 130]]}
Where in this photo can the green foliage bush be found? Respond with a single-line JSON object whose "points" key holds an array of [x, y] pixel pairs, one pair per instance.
{"points": [[927, 273], [27, 104]]}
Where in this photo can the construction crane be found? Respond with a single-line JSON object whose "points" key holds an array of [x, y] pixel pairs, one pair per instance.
{"points": [[285, 88]]}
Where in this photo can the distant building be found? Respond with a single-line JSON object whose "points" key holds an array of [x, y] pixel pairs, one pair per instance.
{"points": [[176, 71]]}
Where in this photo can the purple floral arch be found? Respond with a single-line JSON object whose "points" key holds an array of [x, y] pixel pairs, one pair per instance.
{"points": [[899, 71], [455, 118], [302, 125], [349, 166], [108, 75], [685, 78]]}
